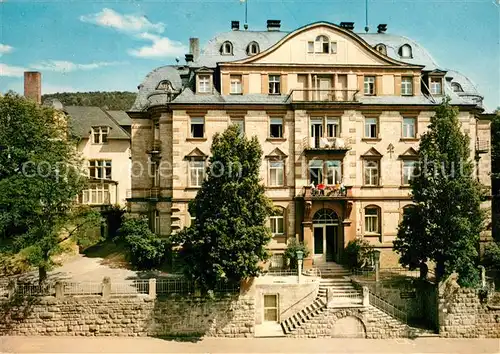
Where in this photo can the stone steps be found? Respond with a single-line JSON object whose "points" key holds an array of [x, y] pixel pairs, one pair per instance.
{"points": [[304, 315]]}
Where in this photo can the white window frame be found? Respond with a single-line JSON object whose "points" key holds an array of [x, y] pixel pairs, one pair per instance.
{"points": [[369, 123], [235, 85], [253, 48], [408, 171], [100, 135], [369, 85], [372, 222], [332, 122], [204, 83], [333, 175], [407, 86], [96, 194], [225, 46], [274, 84], [100, 167], [274, 121], [320, 43], [276, 221], [240, 123], [196, 121], [436, 86], [409, 130], [406, 51], [278, 178], [371, 172], [196, 172]]}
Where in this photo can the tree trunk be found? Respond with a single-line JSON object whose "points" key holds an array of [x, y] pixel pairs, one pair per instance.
{"points": [[42, 275]]}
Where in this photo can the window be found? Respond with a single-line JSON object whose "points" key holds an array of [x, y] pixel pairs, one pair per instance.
{"points": [[100, 169], [332, 127], [276, 128], [227, 48], [155, 222], [316, 172], [333, 172], [371, 172], [381, 48], [435, 86], [274, 84], [276, 173], [310, 47], [271, 308], [277, 224], [405, 51], [456, 87], [372, 220], [322, 44], [253, 48], [197, 127], [240, 123], [369, 85], [204, 85], [235, 81], [408, 127], [96, 194], [196, 172], [408, 171], [154, 173], [371, 129], [100, 135], [407, 86], [333, 47]]}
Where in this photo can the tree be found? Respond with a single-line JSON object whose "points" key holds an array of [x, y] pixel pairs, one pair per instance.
{"points": [[446, 220], [228, 237], [40, 177]]}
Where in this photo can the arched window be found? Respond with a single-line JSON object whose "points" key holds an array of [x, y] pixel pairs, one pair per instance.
{"points": [[456, 87], [372, 220], [381, 48], [405, 51], [277, 221], [325, 216], [227, 48], [322, 44], [253, 48]]}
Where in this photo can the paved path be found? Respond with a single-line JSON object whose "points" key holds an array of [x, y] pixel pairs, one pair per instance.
{"points": [[263, 345]]}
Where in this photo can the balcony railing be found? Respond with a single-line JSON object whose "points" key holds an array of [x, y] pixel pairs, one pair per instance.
{"points": [[155, 147], [319, 143], [323, 95], [327, 192]]}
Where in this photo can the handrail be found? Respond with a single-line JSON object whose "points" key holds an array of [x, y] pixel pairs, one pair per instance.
{"points": [[296, 303], [387, 307], [324, 95]]}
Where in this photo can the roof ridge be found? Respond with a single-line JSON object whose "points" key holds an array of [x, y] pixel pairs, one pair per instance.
{"points": [[115, 121]]}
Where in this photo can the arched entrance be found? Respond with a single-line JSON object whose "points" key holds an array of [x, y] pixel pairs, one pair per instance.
{"points": [[325, 236]]}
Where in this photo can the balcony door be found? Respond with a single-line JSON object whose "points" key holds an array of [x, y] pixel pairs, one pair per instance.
{"points": [[316, 132], [323, 85]]}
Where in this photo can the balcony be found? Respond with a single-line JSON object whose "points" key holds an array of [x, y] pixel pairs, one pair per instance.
{"points": [[318, 144], [152, 194], [328, 193], [155, 147], [323, 95]]}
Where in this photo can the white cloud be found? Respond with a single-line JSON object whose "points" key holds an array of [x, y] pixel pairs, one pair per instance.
{"points": [[12, 71], [126, 23], [67, 66], [4, 49], [161, 47]]}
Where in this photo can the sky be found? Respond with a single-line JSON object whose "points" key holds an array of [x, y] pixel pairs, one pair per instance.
{"points": [[96, 45]]}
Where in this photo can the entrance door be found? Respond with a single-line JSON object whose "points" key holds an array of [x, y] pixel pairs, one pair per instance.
{"points": [[331, 243], [318, 243]]}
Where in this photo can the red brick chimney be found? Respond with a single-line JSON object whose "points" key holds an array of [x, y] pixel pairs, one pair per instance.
{"points": [[33, 86]]}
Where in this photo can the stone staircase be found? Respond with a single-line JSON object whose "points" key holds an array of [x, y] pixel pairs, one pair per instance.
{"points": [[306, 314]]}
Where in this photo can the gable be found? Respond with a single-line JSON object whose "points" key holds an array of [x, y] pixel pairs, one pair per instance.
{"points": [[350, 49], [411, 153], [196, 153], [277, 153], [372, 153]]}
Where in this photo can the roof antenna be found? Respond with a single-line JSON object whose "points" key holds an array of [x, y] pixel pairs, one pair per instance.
{"points": [[246, 13], [366, 17]]}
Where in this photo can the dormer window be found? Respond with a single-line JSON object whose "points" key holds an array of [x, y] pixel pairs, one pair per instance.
{"points": [[405, 51], [100, 135], [227, 48], [253, 48], [456, 87], [204, 83], [436, 86], [381, 48], [165, 85]]}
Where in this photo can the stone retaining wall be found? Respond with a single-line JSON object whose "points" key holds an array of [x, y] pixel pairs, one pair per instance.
{"points": [[462, 314], [133, 316]]}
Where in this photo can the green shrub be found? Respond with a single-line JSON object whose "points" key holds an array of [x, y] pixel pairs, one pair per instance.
{"points": [[491, 256], [290, 255], [146, 250], [358, 254]]}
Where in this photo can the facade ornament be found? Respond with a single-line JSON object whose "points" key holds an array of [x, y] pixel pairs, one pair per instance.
{"points": [[390, 150]]}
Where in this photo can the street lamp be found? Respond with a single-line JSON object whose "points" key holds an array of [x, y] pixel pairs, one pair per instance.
{"points": [[300, 257], [376, 258]]}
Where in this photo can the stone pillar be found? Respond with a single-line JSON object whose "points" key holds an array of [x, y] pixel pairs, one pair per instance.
{"points": [[106, 287], [152, 288], [377, 270], [299, 270], [482, 270], [366, 296], [59, 287], [309, 243]]}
